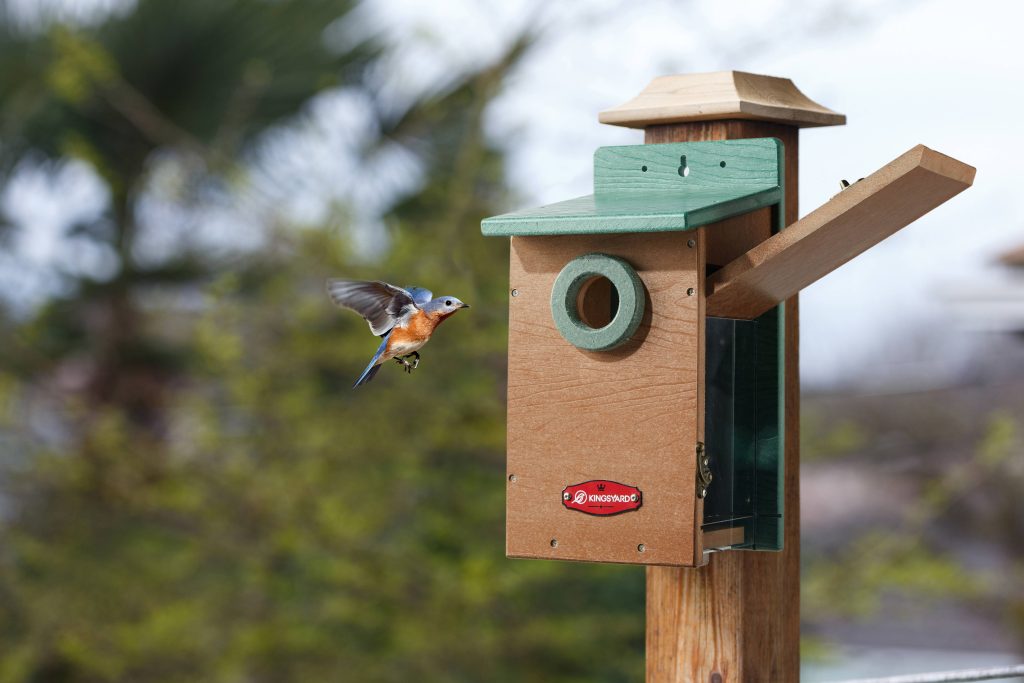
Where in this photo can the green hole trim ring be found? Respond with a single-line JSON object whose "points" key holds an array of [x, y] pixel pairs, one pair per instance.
{"points": [[566, 290]]}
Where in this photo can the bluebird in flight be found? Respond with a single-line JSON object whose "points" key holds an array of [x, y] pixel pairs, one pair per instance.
{"points": [[405, 318]]}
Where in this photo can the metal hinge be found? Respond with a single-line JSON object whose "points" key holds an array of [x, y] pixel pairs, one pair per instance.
{"points": [[703, 470]]}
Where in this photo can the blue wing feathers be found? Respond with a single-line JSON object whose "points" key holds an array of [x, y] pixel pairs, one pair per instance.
{"points": [[382, 305], [420, 295]]}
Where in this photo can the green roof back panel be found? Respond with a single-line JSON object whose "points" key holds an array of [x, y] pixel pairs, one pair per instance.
{"points": [[654, 188], [750, 163]]}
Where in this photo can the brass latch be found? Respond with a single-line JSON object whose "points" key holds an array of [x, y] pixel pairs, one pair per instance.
{"points": [[703, 471]]}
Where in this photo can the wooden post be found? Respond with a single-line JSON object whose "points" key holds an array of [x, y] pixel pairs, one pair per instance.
{"points": [[736, 620]]}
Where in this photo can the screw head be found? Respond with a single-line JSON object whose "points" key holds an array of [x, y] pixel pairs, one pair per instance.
{"points": [[565, 496], [691, 243], [512, 478], [515, 292], [554, 542], [691, 291], [641, 548]]}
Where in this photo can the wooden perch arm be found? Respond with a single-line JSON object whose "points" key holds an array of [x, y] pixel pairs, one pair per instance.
{"points": [[856, 219]]}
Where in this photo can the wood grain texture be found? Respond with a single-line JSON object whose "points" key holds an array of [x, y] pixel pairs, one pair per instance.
{"points": [[720, 95], [850, 223], [739, 616], [724, 538], [594, 302], [630, 415], [735, 236]]}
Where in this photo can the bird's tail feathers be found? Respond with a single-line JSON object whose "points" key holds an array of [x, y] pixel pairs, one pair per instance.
{"points": [[375, 363], [367, 375]]}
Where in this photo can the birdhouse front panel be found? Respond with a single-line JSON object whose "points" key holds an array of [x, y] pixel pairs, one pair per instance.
{"points": [[608, 340], [630, 415]]}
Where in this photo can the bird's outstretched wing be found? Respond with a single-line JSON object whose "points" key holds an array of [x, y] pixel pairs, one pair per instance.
{"points": [[382, 305]]}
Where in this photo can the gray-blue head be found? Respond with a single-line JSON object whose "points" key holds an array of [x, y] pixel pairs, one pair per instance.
{"points": [[443, 306]]}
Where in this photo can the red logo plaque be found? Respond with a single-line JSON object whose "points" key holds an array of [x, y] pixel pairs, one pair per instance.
{"points": [[601, 497]]}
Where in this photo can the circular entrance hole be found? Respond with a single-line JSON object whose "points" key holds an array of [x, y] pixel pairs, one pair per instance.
{"points": [[598, 302]]}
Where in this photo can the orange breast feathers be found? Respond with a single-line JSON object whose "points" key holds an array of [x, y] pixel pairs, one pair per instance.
{"points": [[419, 328]]}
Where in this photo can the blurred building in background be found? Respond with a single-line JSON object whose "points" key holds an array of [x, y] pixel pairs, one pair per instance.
{"points": [[994, 301], [1013, 261]]}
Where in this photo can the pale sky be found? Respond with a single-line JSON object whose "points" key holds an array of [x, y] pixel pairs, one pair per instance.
{"points": [[943, 73], [939, 72]]}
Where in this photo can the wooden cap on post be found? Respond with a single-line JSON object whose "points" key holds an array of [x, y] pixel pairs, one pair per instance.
{"points": [[1013, 258], [720, 95]]}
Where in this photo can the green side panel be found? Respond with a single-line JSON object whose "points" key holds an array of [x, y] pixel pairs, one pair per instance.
{"points": [[729, 420], [745, 422], [655, 188], [768, 421], [742, 430]]}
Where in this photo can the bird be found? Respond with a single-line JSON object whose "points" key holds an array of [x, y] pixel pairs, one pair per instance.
{"points": [[404, 318]]}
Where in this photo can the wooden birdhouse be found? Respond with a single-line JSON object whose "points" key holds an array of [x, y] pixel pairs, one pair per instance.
{"points": [[647, 340]]}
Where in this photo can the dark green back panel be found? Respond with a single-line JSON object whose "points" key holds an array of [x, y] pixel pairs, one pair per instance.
{"points": [[743, 428], [745, 420]]}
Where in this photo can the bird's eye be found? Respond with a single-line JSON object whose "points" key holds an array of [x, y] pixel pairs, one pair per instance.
{"points": [[448, 303]]}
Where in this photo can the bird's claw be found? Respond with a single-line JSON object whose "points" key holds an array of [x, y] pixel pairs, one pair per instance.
{"points": [[406, 365]]}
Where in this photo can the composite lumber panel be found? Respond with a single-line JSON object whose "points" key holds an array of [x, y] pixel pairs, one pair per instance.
{"points": [[631, 415], [853, 221]]}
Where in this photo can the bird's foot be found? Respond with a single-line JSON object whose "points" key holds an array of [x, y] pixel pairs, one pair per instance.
{"points": [[407, 366]]}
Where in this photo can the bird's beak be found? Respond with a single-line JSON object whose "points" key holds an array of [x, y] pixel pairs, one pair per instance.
{"points": [[464, 306]]}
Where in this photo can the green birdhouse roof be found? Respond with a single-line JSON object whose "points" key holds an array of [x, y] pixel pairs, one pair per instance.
{"points": [[656, 188]]}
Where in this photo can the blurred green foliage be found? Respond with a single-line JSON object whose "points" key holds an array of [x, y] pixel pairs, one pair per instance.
{"points": [[876, 565], [927, 557], [194, 493], [822, 438]]}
